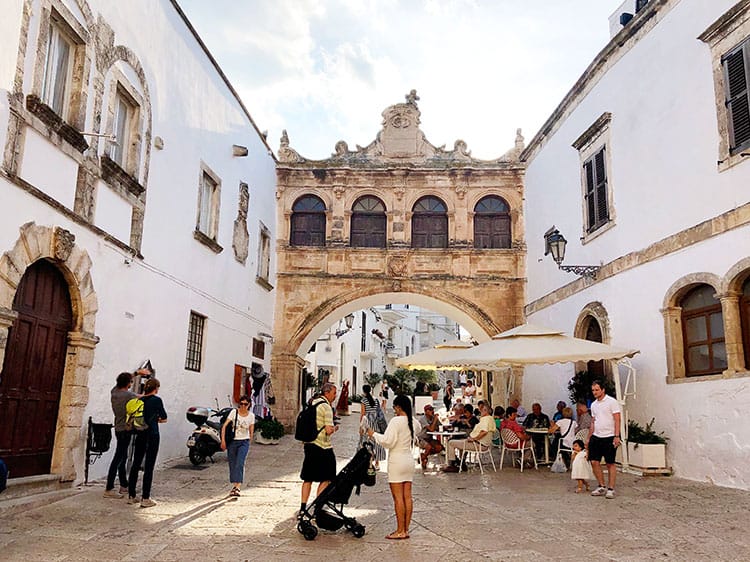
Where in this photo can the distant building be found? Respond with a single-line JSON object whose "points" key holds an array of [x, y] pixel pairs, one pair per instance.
{"points": [[643, 169], [137, 222]]}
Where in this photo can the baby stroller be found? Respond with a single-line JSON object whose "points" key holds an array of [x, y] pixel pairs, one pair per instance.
{"points": [[327, 509]]}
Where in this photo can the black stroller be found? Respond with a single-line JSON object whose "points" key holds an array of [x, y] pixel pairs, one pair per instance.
{"points": [[327, 509]]}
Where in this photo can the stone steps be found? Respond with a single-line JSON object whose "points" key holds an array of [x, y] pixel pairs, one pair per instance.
{"points": [[33, 491]]}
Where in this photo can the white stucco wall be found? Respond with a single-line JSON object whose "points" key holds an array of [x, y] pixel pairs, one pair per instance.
{"points": [[663, 151], [144, 304]]}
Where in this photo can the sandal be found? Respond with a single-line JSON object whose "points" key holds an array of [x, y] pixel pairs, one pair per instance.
{"points": [[397, 536], [235, 492]]}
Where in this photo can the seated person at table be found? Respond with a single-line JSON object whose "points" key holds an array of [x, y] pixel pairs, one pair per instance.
{"points": [[559, 413], [537, 420], [456, 414], [520, 409], [510, 423], [564, 429], [498, 414], [427, 442], [584, 418], [470, 419], [482, 433]]}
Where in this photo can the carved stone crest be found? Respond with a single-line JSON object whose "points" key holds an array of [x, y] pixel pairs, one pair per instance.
{"points": [[62, 243], [397, 266], [286, 153]]}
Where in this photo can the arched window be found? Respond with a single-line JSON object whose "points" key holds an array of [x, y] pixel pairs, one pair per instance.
{"points": [[703, 332], [745, 317], [492, 223], [429, 223], [594, 333], [368, 223], [308, 222]]}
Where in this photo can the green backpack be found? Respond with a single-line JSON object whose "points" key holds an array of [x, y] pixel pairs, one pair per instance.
{"points": [[134, 415]]}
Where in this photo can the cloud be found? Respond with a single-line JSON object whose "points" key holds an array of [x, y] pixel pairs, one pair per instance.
{"points": [[324, 70]]}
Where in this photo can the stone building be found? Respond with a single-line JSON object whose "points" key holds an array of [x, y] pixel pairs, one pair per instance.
{"points": [[137, 223], [397, 221], [643, 168]]}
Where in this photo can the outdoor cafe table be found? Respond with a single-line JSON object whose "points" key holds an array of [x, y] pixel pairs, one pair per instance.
{"points": [[542, 431], [448, 435]]}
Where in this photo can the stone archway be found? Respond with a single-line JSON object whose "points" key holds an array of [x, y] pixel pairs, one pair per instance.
{"points": [[58, 246], [319, 283]]}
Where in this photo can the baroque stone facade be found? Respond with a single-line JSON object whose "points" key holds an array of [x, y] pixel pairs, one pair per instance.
{"points": [[483, 286]]}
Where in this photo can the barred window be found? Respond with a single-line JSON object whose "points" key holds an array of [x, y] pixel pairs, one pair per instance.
{"points": [[194, 355], [259, 348]]}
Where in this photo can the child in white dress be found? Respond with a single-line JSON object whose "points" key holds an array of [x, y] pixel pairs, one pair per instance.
{"points": [[580, 466]]}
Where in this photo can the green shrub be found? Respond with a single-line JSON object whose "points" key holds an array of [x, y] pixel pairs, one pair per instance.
{"points": [[270, 428], [579, 387], [645, 436]]}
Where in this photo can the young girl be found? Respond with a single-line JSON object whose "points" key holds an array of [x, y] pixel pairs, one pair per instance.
{"points": [[580, 466]]}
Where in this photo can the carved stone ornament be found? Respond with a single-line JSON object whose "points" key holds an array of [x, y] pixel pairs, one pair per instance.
{"points": [[240, 236], [399, 191], [286, 153], [397, 266], [338, 190], [62, 243]]}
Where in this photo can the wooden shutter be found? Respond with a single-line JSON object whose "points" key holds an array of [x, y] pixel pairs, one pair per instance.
{"points": [[590, 199], [600, 171], [735, 77]]}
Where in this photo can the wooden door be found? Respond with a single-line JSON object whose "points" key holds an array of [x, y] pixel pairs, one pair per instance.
{"points": [[32, 374]]}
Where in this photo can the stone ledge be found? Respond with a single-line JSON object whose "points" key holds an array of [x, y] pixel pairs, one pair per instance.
{"points": [[206, 241], [114, 175], [48, 116]]}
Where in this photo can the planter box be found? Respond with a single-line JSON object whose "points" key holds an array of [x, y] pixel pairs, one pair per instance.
{"points": [[647, 456], [258, 438]]}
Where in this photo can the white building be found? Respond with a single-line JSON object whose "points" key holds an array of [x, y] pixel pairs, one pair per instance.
{"points": [[642, 168], [137, 222]]}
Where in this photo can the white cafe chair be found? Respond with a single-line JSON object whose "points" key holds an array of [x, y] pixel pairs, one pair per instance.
{"points": [[476, 449], [511, 442]]}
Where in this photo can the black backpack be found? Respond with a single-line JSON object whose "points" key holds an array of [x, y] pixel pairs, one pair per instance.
{"points": [[307, 429]]}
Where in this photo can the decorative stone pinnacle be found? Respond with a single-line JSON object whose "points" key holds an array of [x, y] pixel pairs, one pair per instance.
{"points": [[412, 98]]}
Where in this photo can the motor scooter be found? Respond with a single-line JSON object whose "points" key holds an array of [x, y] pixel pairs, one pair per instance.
{"points": [[205, 440]]}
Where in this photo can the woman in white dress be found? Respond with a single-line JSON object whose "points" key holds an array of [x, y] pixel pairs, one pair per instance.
{"points": [[398, 439]]}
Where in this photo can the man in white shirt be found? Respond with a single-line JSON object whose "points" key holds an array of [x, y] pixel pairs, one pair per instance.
{"points": [[604, 439], [482, 433]]}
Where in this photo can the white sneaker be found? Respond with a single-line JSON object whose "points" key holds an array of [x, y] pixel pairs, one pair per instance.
{"points": [[610, 495], [133, 500], [147, 502], [112, 494], [600, 491]]}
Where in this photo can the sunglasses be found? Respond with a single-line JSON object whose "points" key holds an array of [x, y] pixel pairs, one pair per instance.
{"points": [[244, 403]]}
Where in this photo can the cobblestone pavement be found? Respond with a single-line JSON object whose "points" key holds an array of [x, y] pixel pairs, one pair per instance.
{"points": [[499, 516]]}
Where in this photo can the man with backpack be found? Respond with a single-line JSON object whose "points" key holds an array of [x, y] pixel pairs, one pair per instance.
{"points": [[147, 443], [120, 396], [319, 464]]}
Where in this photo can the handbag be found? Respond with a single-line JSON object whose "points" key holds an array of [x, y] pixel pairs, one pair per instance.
{"points": [[380, 422], [230, 430]]}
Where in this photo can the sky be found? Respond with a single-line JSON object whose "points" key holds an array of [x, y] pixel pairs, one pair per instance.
{"points": [[324, 70]]}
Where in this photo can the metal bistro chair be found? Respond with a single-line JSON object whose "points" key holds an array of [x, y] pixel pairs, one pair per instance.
{"points": [[512, 443], [561, 447], [477, 450]]}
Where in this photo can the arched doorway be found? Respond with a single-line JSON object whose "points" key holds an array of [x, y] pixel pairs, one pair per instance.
{"points": [[31, 379], [593, 332]]}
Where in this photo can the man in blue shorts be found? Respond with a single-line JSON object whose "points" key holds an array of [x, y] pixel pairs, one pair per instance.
{"points": [[604, 440]]}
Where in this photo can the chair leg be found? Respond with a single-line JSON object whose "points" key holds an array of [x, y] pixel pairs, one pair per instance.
{"points": [[533, 456], [502, 457], [522, 453], [492, 459]]}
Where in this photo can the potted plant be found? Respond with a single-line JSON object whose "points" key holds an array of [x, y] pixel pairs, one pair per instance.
{"points": [[647, 449], [268, 431]]}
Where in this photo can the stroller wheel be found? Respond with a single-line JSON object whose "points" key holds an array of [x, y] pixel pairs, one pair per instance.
{"points": [[358, 531], [308, 530]]}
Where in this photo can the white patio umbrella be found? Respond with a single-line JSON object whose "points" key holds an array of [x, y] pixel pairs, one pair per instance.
{"points": [[428, 358], [529, 344]]}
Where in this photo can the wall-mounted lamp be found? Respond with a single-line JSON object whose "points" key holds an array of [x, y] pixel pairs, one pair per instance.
{"points": [[554, 243], [349, 321]]}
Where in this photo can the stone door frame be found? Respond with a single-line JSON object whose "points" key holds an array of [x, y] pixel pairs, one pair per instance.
{"points": [[57, 245]]}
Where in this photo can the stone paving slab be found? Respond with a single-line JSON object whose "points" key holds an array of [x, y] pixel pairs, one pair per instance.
{"points": [[469, 516]]}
